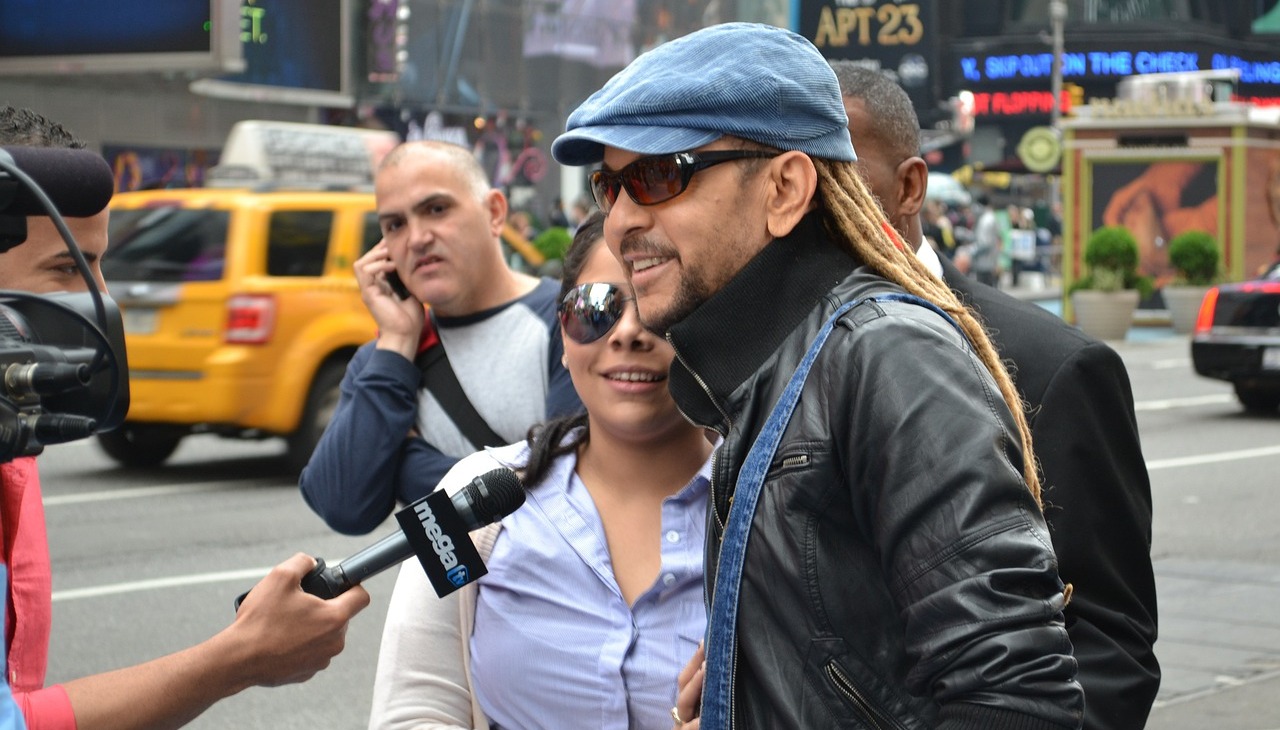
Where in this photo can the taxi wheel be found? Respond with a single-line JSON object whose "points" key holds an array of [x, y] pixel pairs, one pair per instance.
{"points": [[322, 399], [140, 445]]}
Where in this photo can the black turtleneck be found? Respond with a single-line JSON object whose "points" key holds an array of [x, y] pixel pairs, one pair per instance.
{"points": [[730, 335]]}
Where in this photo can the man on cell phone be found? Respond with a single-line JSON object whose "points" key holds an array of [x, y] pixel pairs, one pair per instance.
{"points": [[407, 413]]}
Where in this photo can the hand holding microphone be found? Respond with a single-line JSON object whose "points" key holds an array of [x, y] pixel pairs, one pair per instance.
{"points": [[435, 528]]}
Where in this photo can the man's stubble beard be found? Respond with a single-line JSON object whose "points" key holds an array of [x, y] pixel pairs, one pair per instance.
{"points": [[689, 295]]}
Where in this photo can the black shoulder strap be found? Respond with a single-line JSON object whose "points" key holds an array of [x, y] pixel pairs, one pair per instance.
{"points": [[439, 378]]}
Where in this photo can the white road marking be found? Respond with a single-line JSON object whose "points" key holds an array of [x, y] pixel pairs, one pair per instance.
{"points": [[1213, 458], [112, 589], [1188, 402], [138, 492], [245, 574]]}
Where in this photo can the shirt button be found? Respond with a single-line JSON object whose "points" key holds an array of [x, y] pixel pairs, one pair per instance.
{"points": [[673, 536], [668, 579]]}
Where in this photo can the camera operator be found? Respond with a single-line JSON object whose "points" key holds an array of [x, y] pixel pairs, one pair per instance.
{"points": [[43, 264], [281, 635]]}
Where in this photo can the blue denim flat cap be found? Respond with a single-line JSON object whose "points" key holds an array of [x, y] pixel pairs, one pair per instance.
{"points": [[757, 82]]}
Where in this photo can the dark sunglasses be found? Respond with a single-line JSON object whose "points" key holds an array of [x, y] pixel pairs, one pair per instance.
{"points": [[589, 311], [653, 180]]}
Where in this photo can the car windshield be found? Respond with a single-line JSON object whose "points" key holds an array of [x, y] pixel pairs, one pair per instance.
{"points": [[166, 244]]}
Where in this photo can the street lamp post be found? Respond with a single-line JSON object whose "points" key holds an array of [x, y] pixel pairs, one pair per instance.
{"points": [[1057, 16]]}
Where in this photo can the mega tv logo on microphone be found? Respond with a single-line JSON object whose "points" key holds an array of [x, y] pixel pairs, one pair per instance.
{"points": [[442, 544], [440, 540]]}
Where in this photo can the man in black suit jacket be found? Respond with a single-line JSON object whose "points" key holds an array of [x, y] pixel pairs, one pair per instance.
{"points": [[1097, 495]]}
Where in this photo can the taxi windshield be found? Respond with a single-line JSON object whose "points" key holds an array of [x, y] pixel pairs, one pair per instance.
{"points": [[166, 244]]}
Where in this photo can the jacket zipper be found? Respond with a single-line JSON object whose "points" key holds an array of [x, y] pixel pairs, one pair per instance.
{"points": [[701, 383], [733, 688], [715, 463], [878, 719], [797, 460], [716, 478]]}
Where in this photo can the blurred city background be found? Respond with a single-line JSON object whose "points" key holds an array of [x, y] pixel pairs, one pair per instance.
{"points": [[1066, 116]]}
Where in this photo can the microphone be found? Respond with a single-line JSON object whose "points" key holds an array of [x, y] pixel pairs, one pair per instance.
{"points": [[79, 182], [435, 528]]}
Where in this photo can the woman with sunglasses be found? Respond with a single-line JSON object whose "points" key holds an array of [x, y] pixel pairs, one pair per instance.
{"points": [[593, 599]]}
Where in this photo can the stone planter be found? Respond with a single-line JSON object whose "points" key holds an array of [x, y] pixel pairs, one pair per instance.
{"points": [[1183, 303], [1105, 315]]}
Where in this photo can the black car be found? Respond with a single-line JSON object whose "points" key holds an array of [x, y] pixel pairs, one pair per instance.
{"points": [[1237, 339]]}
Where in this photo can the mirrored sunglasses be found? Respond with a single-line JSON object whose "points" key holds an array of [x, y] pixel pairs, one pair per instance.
{"points": [[589, 311], [657, 179]]}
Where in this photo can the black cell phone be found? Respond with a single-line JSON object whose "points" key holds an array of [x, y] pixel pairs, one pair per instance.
{"points": [[397, 286]]}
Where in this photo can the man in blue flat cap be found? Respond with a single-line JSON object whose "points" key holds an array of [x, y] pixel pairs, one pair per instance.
{"points": [[876, 553]]}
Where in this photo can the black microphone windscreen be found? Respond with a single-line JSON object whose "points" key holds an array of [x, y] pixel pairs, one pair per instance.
{"points": [[497, 494], [79, 182]]}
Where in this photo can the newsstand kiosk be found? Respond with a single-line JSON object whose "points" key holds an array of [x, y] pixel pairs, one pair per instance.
{"points": [[1166, 157]]}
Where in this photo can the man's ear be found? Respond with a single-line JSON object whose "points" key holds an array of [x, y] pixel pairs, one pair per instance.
{"points": [[913, 179], [497, 203], [792, 183]]}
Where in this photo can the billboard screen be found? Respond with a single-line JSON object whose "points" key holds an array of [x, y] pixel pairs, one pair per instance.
{"points": [[295, 51], [897, 37], [90, 36]]}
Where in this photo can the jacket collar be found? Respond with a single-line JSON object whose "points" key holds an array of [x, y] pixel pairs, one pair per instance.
{"points": [[726, 339]]}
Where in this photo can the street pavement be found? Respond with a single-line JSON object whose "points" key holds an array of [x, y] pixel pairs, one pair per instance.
{"points": [[1219, 644], [1219, 641]]}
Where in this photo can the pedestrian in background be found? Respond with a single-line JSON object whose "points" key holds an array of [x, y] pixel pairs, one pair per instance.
{"points": [[988, 244], [487, 354]]}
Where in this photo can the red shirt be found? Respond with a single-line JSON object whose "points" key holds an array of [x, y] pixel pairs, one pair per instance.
{"points": [[29, 595]]}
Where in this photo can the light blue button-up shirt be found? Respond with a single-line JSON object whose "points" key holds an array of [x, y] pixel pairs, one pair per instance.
{"points": [[555, 644]]}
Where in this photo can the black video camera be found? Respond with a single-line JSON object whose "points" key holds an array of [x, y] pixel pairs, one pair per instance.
{"points": [[61, 377], [63, 374]]}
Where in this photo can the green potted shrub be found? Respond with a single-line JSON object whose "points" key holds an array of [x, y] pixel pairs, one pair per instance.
{"points": [[552, 243], [1194, 256], [1105, 298]]}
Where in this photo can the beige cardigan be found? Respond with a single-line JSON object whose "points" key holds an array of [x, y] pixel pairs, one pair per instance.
{"points": [[423, 680]]}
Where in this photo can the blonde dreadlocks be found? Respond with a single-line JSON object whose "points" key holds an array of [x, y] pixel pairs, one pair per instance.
{"points": [[852, 217]]}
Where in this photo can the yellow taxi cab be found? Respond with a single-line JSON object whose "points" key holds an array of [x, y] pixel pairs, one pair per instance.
{"points": [[240, 311], [239, 301]]}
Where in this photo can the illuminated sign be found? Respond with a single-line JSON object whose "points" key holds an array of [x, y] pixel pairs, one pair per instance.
{"points": [[1017, 103], [897, 37], [1251, 72], [1114, 64], [889, 24]]}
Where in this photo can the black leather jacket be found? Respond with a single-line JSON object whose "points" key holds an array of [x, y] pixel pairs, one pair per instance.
{"points": [[898, 572]]}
